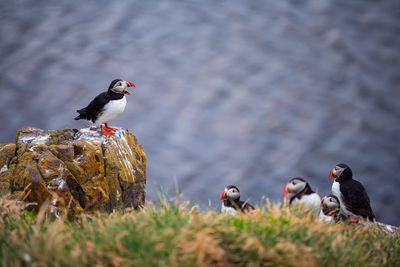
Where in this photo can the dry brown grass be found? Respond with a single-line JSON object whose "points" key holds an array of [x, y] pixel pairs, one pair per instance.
{"points": [[173, 234]]}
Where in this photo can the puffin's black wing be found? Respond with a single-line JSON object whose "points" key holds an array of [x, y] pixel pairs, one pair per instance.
{"points": [[356, 199], [92, 111], [245, 206]]}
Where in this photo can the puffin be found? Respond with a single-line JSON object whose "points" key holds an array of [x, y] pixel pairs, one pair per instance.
{"points": [[354, 200], [107, 106], [232, 202], [330, 209], [299, 190]]}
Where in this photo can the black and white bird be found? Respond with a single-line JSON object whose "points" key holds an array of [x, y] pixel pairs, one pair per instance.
{"points": [[354, 200], [232, 202], [299, 191], [107, 106], [330, 209]]}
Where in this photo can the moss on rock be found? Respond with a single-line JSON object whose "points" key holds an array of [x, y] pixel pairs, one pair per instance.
{"points": [[7, 152], [74, 170]]}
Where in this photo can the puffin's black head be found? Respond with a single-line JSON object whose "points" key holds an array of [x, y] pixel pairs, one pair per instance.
{"points": [[119, 86], [294, 186], [230, 192], [330, 202], [341, 172]]}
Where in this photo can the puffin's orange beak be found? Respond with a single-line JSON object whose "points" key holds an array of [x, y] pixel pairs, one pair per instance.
{"points": [[126, 92], [284, 191], [331, 175], [129, 84], [223, 195]]}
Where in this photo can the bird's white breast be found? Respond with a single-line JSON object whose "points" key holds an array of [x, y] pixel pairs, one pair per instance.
{"points": [[313, 201], [323, 217], [231, 211], [111, 111], [336, 191]]}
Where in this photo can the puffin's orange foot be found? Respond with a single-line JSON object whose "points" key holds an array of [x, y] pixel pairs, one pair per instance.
{"points": [[105, 132], [353, 221], [108, 133], [110, 128]]}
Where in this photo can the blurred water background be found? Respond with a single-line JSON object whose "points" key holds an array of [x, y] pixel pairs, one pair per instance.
{"points": [[250, 93]]}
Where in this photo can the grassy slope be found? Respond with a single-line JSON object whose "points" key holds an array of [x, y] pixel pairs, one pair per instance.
{"points": [[173, 234]]}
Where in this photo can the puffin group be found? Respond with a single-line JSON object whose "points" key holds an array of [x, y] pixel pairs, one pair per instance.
{"points": [[348, 200]]}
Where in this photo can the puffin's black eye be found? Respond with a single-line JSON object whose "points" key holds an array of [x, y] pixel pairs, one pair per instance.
{"points": [[294, 183]]}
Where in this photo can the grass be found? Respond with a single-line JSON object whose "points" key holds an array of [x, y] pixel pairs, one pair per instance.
{"points": [[172, 234]]}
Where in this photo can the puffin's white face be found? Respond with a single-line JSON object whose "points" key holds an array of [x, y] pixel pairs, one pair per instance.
{"points": [[294, 186], [120, 87], [230, 193], [330, 202], [337, 171]]}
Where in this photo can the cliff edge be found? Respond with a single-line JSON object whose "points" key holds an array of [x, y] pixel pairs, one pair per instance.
{"points": [[74, 170]]}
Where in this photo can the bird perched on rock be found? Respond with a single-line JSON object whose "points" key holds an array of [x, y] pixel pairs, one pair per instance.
{"points": [[330, 209], [299, 190], [231, 198], [107, 106], [354, 200]]}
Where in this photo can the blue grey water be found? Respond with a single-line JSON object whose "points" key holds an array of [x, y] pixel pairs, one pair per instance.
{"points": [[250, 93]]}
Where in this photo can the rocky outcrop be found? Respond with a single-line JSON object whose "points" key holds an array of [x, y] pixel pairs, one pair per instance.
{"points": [[74, 170]]}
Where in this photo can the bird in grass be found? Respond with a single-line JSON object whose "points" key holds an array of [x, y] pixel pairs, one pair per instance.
{"points": [[354, 200], [107, 106], [232, 202], [299, 191], [330, 209]]}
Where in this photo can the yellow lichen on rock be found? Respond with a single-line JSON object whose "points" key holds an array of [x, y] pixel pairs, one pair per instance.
{"points": [[7, 152], [125, 169], [74, 170]]}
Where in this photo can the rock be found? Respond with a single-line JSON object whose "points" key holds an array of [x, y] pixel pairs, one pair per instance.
{"points": [[387, 227], [74, 170], [7, 152]]}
